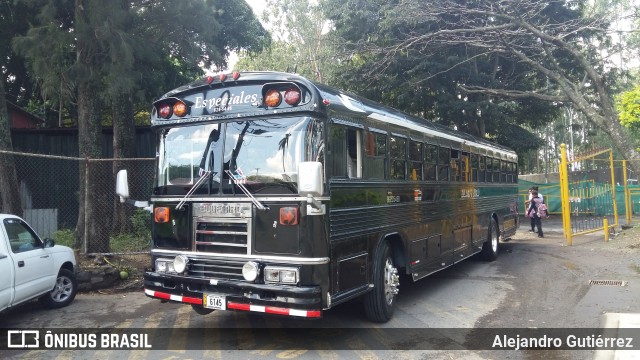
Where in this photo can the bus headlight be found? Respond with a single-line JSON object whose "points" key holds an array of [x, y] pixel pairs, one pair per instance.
{"points": [[281, 275], [250, 270], [180, 263], [165, 265]]}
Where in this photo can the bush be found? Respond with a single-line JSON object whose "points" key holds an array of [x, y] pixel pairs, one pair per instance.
{"points": [[139, 239], [66, 237], [128, 243]]}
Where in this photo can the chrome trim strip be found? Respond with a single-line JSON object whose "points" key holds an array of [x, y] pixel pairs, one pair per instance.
{"points": [[216, 256], [214, 199], [212, 232], [219, 244]]}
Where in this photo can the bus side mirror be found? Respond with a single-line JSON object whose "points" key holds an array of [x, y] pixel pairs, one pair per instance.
{"points": [[122, 185], [310, 183]]}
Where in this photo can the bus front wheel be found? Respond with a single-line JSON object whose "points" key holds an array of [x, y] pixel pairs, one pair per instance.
{"points": [[379, 302]]}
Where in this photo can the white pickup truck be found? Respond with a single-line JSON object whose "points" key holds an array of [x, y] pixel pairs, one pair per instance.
{"points": [[33, 268]]}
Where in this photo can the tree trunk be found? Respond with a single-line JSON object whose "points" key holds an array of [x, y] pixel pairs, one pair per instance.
{"points": [[123, 147], [8, 179], [91, 223]]}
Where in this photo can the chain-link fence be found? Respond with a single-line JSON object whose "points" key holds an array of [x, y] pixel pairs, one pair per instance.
{"points": [[73, 201]]}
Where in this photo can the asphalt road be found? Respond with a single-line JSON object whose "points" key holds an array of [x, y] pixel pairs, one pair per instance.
{"points": [[535, 283]]}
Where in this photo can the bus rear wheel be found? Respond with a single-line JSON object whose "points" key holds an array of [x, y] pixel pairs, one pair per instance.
{"points": [[490, 247], [379, 302]]}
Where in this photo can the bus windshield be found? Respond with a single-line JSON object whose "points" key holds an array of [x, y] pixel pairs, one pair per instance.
{"points": [[261, 154]]}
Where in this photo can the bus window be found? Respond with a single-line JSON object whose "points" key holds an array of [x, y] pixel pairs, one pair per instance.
{"points": [[489, 174], [443, 163], [430, 161], [474, 167], [398, 156], [455, 172], [482, 168], [415, 160], [354, 153], [496, 170], [504, 172], [338, 149], [375, 151], [464, 167]]}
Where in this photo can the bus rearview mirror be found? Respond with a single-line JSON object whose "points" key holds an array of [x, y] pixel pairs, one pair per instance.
{"points": [[310, 179], [122, 185]]}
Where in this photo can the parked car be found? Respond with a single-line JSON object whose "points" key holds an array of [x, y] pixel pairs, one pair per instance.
{"points": [[36, 268]]}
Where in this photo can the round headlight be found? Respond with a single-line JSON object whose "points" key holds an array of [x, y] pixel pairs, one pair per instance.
{"points": [[250, 270], [180, 263]]}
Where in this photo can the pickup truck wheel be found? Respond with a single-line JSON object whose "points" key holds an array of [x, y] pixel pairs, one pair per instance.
{"points": [[64, 291]]}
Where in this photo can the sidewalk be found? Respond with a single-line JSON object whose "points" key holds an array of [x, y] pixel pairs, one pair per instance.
{"points": [[624, 244]]}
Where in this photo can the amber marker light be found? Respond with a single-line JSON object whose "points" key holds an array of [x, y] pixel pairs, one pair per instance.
{"points": [[272, 98], [289, 216], [161, 214], [180, 109]]}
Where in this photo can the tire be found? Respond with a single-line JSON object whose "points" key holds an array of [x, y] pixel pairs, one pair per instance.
{"points": [[490, 247], [379, 302], [64, 291]]}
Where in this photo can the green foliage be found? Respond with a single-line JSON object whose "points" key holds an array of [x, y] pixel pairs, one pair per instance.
{"points": [[66, 237], [300, 41], [628, 104], [124, 243], [140, 237], [141, 221]]}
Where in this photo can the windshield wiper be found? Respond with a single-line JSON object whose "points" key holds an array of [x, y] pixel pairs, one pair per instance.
{"points": [[238, 179], [195, 187]]}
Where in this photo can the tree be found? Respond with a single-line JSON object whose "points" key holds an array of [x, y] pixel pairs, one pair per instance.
{"points": [[13, 21], [300, 44], [112, 49], [541, 51], [629, 107]]}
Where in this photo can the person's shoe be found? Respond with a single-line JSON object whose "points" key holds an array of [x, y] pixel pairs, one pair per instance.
{"points": [[531, 231], [540, 236]]}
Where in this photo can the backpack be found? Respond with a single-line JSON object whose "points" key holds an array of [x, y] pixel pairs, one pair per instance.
{"points": [[542, 211], [537, 208]]}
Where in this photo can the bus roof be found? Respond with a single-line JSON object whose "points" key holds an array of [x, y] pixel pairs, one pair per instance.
{"points": [[329, 97]]}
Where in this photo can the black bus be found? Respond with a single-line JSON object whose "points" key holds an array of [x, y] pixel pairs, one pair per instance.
{"points": [[279, 195]]}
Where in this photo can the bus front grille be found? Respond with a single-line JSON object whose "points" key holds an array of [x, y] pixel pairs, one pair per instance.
{"points": [[223, 236], [216, 269]]}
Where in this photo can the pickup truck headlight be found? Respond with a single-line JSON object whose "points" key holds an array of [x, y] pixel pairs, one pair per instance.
{"points": [[165, 265], [281, 275]]}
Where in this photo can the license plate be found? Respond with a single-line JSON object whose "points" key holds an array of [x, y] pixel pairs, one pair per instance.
{"points": [[215, 301]]}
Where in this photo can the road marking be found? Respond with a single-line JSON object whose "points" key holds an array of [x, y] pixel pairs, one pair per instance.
{"points": [[290, 354]]}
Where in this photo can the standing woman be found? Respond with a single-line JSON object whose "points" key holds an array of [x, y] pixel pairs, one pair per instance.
{"points": [[533, 213]]}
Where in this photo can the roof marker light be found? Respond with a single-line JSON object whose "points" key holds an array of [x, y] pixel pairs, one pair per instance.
{"points": [[164, 111], [180, 109], [223, 77], [209, 79], [272, 98], [292, 96], [235, 75]]}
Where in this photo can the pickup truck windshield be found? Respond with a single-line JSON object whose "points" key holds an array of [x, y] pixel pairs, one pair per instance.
{"points": [[262, 154]]}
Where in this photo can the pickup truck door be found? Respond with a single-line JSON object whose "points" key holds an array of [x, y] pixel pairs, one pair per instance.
{"points": [[32, 263], [6, 277]]}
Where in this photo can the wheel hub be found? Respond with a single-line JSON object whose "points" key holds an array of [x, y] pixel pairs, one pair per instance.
{"points": [[391, 281]]}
